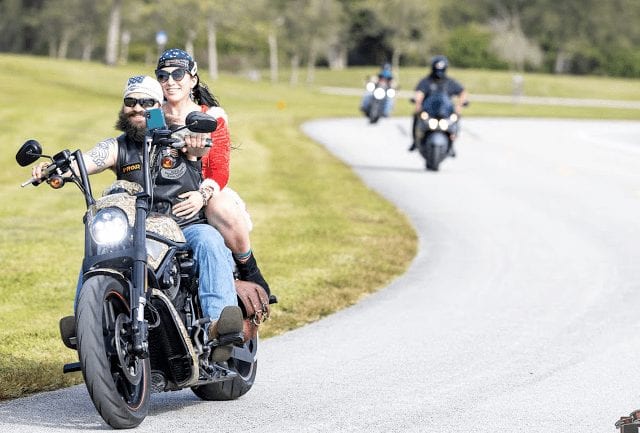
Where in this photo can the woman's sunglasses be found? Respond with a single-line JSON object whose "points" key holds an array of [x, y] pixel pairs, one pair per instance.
{"points": [[176, 74], [144, 102]]}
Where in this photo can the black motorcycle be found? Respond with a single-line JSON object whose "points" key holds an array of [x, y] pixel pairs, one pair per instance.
{"points": [[379, 95], [437, 123], [138, 326]]}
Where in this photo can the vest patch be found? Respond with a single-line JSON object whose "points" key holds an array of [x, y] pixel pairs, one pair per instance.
{"points": [[131, 167], [174, 173]]}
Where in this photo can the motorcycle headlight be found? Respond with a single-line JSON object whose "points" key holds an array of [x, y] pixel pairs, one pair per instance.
{"points": [[370, 86], [433, 123], [391, 93], [379, 93], [424, 115], [443, 124], [453, 118], [110, 226]]}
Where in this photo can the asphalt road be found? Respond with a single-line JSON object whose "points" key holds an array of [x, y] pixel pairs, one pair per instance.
{"points": [[519, 313]]}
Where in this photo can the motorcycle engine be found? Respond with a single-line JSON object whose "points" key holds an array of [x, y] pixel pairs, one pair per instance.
{"points": [[170, 280]]}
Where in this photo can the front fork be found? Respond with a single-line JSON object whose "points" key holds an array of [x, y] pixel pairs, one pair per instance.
{"points": [[138, 299]]}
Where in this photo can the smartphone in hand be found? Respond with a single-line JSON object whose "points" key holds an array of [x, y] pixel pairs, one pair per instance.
{"points": [[155, 119]]}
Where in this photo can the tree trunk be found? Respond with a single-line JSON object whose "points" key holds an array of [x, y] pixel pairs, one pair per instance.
{"points": [[395, 58], [337, 55], [113, 33], [63, 48], [395, 65], [188, 45], [273, 56], [295, 66], [212, 47], [561, 62], [311, 64], [87, 49], [53, 48], [124, 48]]}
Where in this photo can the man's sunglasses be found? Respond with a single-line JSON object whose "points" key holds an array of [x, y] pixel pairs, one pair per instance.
{"points": [[144, 102], [176, 74]]}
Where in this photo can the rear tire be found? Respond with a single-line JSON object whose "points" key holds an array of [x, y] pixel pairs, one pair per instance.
{"points": [[239, 385], [121, 395]]}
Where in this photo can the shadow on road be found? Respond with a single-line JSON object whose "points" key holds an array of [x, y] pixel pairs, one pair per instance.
{"points": [[72, 409]]}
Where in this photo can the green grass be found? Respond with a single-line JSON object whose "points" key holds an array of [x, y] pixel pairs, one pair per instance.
{"points": [[322, 239]]}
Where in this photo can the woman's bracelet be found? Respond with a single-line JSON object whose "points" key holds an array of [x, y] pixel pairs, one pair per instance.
{"points": [[206, 192], [205, 196]]}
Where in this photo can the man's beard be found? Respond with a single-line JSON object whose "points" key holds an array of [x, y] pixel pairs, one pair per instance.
{"points": [[133, 132]]}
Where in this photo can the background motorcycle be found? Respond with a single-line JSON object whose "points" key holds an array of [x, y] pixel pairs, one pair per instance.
{"points": [[378, 100], [436, 125], [139, 324]]}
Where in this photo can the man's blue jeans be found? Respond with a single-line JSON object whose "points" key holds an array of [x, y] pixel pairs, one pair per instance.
{"points": [[215, 269]]}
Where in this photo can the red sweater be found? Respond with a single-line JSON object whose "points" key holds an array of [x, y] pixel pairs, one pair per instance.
{"points": [[215, 164]]}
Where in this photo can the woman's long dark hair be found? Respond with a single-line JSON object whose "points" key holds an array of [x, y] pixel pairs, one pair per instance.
{"points": [[202, 95]]}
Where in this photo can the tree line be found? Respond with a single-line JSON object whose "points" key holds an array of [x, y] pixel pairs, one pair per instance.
{"points": [[568, 36]]}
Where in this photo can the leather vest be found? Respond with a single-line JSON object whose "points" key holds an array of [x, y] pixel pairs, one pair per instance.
{"points": [[168, 183]]}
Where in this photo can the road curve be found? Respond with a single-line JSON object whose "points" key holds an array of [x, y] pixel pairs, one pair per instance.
{"points": [[518, 313]]}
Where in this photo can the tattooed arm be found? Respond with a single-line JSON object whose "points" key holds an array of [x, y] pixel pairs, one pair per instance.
{"points": [[102, 156]]}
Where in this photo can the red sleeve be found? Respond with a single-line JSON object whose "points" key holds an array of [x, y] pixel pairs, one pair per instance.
{"points": [[215, 164]]}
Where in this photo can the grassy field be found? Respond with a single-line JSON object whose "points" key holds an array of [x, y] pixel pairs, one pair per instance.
{"points": [[322, 238]]}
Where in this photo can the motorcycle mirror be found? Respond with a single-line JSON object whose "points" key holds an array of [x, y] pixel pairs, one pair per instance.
{"points": [[201, 122], [29, 153]]}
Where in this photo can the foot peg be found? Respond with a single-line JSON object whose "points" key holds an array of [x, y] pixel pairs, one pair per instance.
{"points": [[231, 338]]}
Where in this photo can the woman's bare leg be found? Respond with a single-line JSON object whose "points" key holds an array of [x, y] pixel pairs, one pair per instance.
{"points": [[227, 215]]}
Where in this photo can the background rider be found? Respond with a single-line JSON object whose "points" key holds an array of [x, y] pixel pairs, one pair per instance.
{"points": [[437, 81]]}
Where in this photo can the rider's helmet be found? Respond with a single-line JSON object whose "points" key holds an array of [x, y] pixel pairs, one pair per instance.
{"points": [[439, 66], [386, 72]]}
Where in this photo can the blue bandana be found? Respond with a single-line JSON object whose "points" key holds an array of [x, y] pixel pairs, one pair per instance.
{"points": [[178, 58]]}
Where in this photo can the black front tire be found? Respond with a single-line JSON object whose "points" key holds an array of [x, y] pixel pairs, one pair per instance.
{"points": [[434, 157], [121, 397], [374, 112], [239, 385]]}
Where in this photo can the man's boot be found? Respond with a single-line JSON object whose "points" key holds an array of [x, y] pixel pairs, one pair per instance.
{"points": [[227, 330], [413, 133]]}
